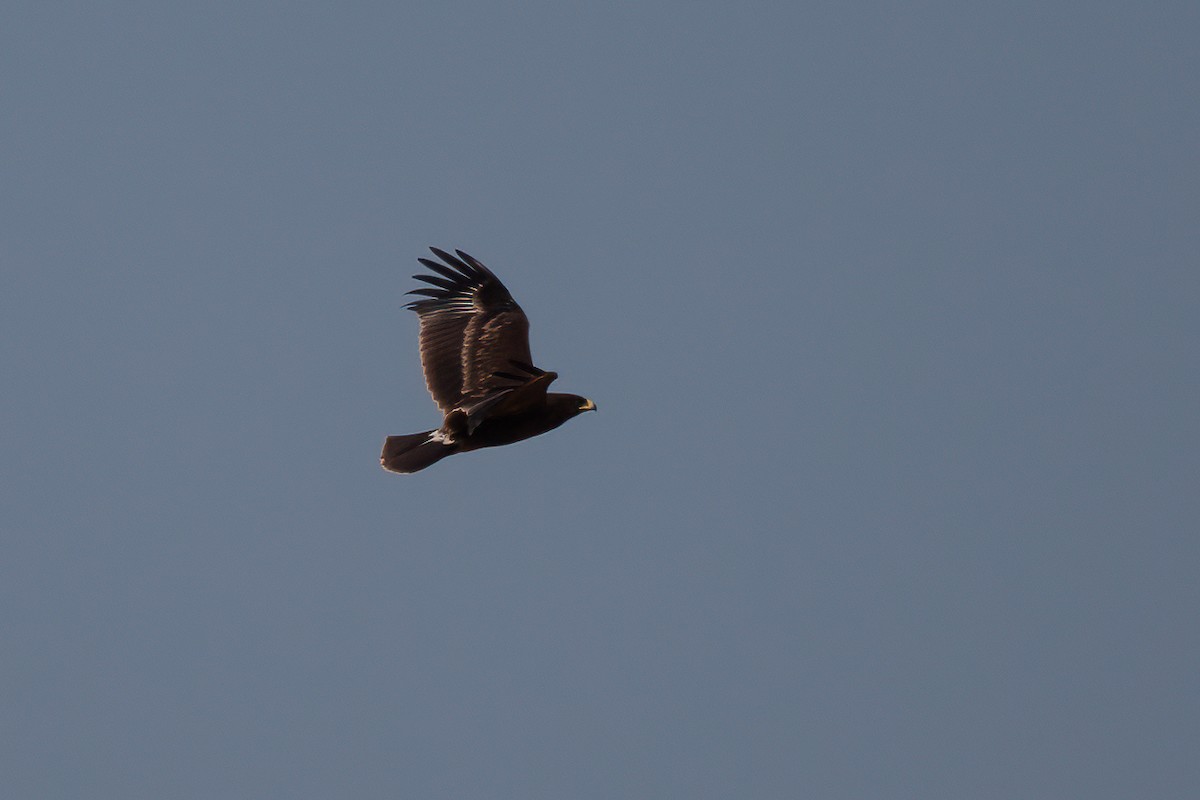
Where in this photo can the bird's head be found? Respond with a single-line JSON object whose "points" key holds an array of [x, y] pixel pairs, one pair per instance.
{"points": [[565, 406]]}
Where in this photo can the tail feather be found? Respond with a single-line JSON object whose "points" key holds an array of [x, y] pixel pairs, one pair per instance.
{"points": [[413, 452]]}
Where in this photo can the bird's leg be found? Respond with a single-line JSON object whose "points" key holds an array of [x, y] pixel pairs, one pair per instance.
{"points": [[454, 427]]}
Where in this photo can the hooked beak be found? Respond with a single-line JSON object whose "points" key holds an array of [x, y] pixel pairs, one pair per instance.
{"points": [[588, 405]]}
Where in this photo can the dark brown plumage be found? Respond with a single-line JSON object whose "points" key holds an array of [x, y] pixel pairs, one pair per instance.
{"points": [[475, 354]]}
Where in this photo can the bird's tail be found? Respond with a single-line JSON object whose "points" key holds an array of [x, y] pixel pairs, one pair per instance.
{"points": [[413, 452]]}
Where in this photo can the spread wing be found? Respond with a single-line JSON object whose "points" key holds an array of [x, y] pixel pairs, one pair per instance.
{"points": [[471, 329]]}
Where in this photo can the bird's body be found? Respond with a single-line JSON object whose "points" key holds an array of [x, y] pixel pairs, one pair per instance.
{"points": [[475, 355]]}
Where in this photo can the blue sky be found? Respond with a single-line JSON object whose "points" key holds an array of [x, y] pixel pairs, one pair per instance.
{"points": [[889, 311]]}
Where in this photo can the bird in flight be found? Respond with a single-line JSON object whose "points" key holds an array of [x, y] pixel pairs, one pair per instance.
{"points": [[475, 354]]}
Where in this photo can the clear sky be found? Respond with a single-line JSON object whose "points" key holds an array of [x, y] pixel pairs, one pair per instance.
{"points": [[890, 311]]}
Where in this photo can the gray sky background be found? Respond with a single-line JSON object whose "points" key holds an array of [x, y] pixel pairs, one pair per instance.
{"points": [[890, 311]]}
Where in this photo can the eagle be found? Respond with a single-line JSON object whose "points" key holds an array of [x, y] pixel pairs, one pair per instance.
{"points": [[475, 354]]}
